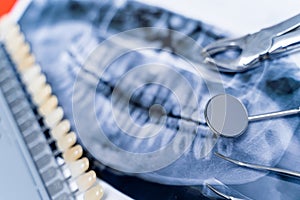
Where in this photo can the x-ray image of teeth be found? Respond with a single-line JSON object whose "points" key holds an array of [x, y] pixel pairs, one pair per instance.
{"points": [[140, 110], [204, 140]]}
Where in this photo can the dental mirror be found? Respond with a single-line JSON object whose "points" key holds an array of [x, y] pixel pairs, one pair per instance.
{"points": [[227, 116]]}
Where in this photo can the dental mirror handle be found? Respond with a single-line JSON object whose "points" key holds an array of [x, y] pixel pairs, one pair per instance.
{"points": [[274, 115]]}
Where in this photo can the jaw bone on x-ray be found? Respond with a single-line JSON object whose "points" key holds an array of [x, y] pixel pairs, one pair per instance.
{"points": [[137, 99]]}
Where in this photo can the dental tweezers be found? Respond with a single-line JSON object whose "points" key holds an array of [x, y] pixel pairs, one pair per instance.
{"points": [[275, 41]]}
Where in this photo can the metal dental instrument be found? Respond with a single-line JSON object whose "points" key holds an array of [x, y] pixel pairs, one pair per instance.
{"points": [[260, 167], [227, 116], [221, 194], [272, 42]]}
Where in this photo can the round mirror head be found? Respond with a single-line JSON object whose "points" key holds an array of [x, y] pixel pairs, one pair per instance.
{"points": [[226, 115]]}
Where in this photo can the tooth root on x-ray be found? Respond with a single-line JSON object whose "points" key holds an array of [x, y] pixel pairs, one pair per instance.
{"points": [[160, 97], [121, 113], [136, 114], [198, 147], [144, 118], [148, 95], [128, 125], [188, 109], [187, 127], [120, 106], [186, 133], [225, 147], [208, 145], [167, 135], [149, 132]]}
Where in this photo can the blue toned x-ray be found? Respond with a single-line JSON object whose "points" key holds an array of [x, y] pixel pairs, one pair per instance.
{"points": [[140, 102]]}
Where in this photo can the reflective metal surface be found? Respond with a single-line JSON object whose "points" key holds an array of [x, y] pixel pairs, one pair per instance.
{"points": [[260, 167], [227, 116], [225, 196], [274, 41]]}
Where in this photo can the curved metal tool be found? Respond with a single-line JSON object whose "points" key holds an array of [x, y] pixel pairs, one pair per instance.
{"points": [[260, 167], [221, 194], [272, 42]]}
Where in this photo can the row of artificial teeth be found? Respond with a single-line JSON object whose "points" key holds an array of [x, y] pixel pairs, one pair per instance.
{"points": [[47, 104]]}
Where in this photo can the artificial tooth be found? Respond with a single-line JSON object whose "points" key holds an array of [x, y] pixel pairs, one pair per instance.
{"points": [[6, 23], [73, 154], [37, 84], [66, 141], [79, 167], [48, 106], [28, 62], [61, 129], [53, 118], [31, 73], [42, 95], [12, 32], [95, 193], [17, 43], [86, 180], [21, 53], [13, 29]]}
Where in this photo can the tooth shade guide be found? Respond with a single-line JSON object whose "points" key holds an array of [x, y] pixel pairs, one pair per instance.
{"points": [[86, 180], [12, 31], [48, 106], [36, 84], [66, 141], [6, 24], [94, 193], [25, 49], [61, 129], [13, 41], [22, 52], [18, 40], [26, 63], [73, 154], [42, 95], [31, 73], [78, 167], [53, 118]]}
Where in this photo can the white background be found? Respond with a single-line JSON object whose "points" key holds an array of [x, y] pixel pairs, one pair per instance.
{"points": [[238, 17]]}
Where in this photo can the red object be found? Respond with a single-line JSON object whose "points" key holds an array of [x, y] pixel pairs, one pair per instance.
{"points": [[6, 5]]}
